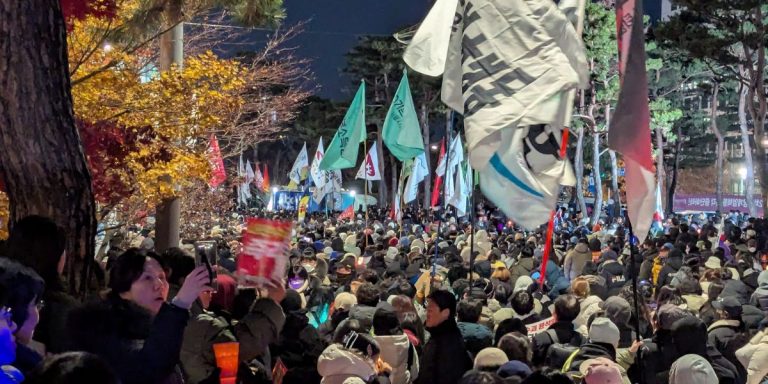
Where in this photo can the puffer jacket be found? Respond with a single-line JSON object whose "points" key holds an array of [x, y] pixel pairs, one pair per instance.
{"points": [[760, 297], [203, 331], [476, 337], [524, 267], [754, 357], [575, 260], [556, 280], [589, 306], [337, 364], [398, 352], [363, 314]]}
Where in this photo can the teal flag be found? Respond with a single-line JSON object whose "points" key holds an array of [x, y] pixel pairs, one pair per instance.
{"points": [[402, 134], [342, 152]]}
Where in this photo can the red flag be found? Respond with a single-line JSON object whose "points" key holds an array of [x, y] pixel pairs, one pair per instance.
{"points": [[438, 179], [551, 225], [265, 185], [218, 175], [630, 133], [348, 213]]}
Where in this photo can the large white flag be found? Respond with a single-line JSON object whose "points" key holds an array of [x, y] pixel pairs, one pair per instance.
{"points": [[243, 191], [369, 169], [419, 171], [319, 176], [461, 193], [300, 166], [249, 175], [508, 69], [455, 156]]}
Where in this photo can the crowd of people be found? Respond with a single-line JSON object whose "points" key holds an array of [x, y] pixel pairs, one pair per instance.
{"points": [[427, 300]]}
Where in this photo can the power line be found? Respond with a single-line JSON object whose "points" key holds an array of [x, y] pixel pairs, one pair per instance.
{"points": [[315, 32]]}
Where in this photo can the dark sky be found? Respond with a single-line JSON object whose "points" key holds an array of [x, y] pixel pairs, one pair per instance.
{"points": [[334, 28]]}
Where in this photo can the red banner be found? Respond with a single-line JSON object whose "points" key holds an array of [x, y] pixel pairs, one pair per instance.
{"points": [[218, 174], [263, 257]]}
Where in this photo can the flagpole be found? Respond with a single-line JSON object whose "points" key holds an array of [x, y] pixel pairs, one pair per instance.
{"points": [[448, 130], [472, 235], [365, 186]]}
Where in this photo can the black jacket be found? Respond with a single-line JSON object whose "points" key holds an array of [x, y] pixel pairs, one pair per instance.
{"points": [[727, 337], [671, 266], [647, 265], [654, 359], [613, 273], [140, 349], [51, 330], [445, 359], [737, 289], [592, 351], [566, 334]]}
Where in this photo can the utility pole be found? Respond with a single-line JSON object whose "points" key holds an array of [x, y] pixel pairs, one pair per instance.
{"points": [[171, 53]]}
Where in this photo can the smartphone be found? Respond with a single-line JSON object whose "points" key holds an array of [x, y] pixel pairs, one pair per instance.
{"points": [[206, 253]]}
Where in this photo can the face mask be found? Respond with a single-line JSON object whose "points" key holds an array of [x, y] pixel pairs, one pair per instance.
{"points": [[752, 250], [309, 267]]}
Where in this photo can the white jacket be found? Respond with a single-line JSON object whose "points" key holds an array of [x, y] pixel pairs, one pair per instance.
{"points": [[754, 357], [337, 364], [589, 306], [394, 351]]}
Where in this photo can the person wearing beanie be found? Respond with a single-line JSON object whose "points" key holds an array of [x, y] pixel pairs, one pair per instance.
{"points": [[396, 349], [692, 369], [524, 266], [619, 311], [601, 371], [689, 335], [514, 369], [728, 333], [490, 359], [603, 340], [476, 336], [760, 297], [445, 359], [576, 258], [595, 247]]}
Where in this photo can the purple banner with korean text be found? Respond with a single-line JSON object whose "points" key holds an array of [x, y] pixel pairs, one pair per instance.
{"points": [[708, 203]]}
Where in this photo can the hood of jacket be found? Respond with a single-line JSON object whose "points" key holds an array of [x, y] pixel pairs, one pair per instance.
{"points": [[582, 249], [394, 351], [724, 324], [337, 363]]}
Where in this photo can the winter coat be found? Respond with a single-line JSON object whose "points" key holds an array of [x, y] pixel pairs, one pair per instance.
{"points": [[203, 331], [524, 267], [398, 352], [726, 336], [671, 266], [363, 314], [299, 346], [575, 260], [337, 364], [613, 273], [689, 337], [737, 289], [141, 349], [541, 341], [27, 359], [760, 297], [556, 280], [694, 302], [589, 306], [656, 356], [592, 351], [476, 337], [646, 267], [445, 358], [754, 357], [51, 330]]}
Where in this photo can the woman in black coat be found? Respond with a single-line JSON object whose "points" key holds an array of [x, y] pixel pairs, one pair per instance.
{"points": [[134, 329]]}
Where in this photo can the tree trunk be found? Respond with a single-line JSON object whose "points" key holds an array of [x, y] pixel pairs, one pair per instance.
{"points": [[720, 149], [675, 168], [425, 133], [749, 182], [614, 171], [168, 212], [43, 165], [597, 206], [580, 172]]}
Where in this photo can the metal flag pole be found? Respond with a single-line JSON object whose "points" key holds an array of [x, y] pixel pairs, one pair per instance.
{"points": [[471, 235], [448, 131]]}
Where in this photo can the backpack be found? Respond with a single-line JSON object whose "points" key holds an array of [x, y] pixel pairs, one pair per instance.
{"points": [[559, 353]]}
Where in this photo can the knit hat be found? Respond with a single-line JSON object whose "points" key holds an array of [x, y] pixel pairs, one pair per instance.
{"points": [[618, 310], [600, 371], [418, 243], [713, 262], [692, 369], [595, 245], [522, 283], [391, 253], [490, 357], [605, 331], [730, 305], [609, 255], [345, 301], [514, 368], [390, 234], [392, 241]]}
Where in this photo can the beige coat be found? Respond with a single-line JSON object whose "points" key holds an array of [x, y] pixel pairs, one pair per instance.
{"points": [[754, 357]]}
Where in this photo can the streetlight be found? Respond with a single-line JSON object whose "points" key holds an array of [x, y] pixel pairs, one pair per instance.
{"points": [[743, 173], [352, 193], [434, 147], [107, 47], [274, 189]]}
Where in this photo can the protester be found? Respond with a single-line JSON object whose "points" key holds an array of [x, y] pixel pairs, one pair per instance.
{"points": [[445, 357]]}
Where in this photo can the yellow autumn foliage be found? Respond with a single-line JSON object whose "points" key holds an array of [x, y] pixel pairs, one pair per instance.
{"points": [[169, 114], [5, 215]]}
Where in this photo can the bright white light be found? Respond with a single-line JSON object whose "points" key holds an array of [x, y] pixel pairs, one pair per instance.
{"points": [[434, 147], [743, 172], [352, 193], [274, 189], [107, 47]]}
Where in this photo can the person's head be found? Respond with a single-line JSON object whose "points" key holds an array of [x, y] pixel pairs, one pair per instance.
{"points": [[140, 279], [39, 243], [490, 359], [441, 306], [728, 308], [600, 371], [522, 303], [25, 290], [603, 330], [344, 328], [516, 346], [469, 310], [73, 368], [501, 274], [501, 294], [618, 310], [580, 287], [480, 377], [566, 308], [665, 249], [669, 295], [512, 324], [692, 369], [714, 290], [178, 264], [386, 322], [367, 294], [402, 304]]}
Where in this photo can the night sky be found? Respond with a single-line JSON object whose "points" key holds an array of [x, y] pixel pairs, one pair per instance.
{"points": [[335, 26]]}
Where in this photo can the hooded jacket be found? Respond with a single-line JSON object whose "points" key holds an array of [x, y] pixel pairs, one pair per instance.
{"points": [[754, 357], [363, 314], [396, 351], [566, 334], [476, 337], [671, 266], [141, 349], [613, 273], [337, 364], [737, 289], [203, 331], [524, 267], [445, 359], [689, 335], [589, 306], [556, 280], [760, 297], [649, 255], [575, 260], [727, 337]]}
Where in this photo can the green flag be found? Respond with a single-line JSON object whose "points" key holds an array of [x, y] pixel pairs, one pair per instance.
{"points": [[342, 152], [402, 133]]}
